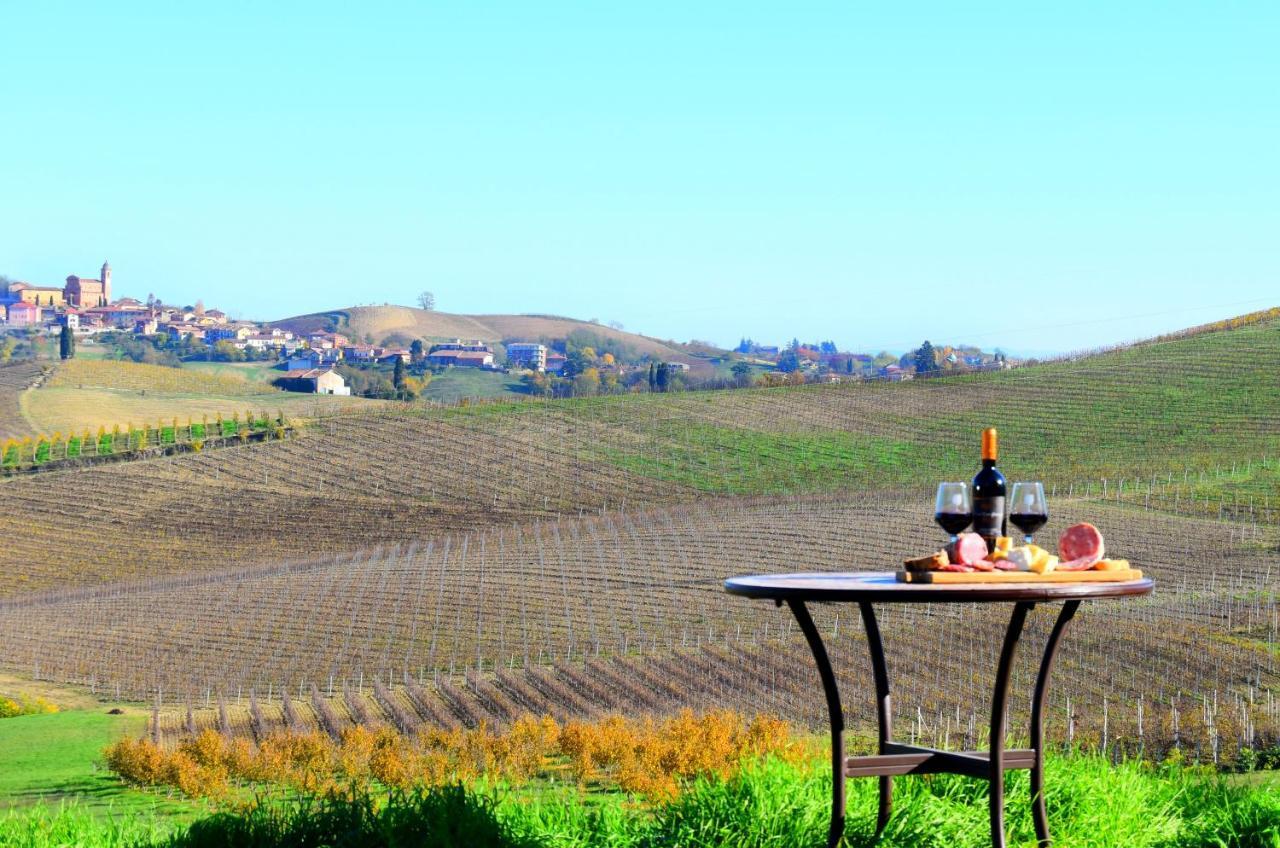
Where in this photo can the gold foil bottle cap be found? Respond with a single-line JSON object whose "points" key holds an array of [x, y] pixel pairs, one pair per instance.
{"points": [[989, 443]]}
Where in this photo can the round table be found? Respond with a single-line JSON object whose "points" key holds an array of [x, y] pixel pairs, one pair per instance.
{"points": [[894, 758]]}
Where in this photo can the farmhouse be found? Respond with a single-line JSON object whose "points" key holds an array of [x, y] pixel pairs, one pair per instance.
{"points": [[389, 355], [461, 358], [320, 381]]}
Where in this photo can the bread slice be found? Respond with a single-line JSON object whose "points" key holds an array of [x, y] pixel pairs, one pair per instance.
{"points": [[928, 563]]}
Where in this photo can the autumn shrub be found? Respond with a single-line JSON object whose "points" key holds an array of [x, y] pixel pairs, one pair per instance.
{"points": [[646, 757], [10, 707], [138, 761]]}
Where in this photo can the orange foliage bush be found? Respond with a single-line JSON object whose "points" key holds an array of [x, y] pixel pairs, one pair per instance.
{"points": [[644, 756]]}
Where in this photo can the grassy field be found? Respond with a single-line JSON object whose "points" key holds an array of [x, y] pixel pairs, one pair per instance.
{"points": [[69, 409], [454, 384], [253, 372], [56, 759], [1092, 804], [141, 377]]}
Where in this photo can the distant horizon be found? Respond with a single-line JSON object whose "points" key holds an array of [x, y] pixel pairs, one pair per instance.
{"points": [[1168, 324], [1043, 179]]}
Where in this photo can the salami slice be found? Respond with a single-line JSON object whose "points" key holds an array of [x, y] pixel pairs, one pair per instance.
{"points": [[968, 549], [955, 566], [984, 565], [1080, 547], [1005, 565]]}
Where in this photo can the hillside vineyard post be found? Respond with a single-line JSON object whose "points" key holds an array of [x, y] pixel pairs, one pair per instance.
{"points": [[895, 758]]}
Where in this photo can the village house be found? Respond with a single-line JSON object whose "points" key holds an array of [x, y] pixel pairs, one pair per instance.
{"points": [[461, 358], [304, 360], [23, 314], [528, 355], [37, 295], [119, 315], [388, 356], [555, 363], [473, 346], [360, 353], [897, 374], [327, 341], [260, 341], [213, 335], [178, 332], [320, 381]]}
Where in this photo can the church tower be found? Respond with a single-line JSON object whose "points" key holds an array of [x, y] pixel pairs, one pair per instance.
{"points": [[106, 282]]}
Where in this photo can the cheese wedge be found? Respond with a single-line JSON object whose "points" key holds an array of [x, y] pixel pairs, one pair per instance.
{"points": [[1044, 566], [1112, 565], [1021, 558]]}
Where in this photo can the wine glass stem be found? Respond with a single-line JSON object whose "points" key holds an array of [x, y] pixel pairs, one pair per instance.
{"points": [[1030, 539]]}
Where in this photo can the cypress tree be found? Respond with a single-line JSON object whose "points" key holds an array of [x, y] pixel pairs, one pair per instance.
{"points": [[66, 342], [397, 376], [663, 377], [653, 380]]}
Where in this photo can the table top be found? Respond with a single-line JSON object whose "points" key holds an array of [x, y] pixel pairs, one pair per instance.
{"points": [[883, 586]]}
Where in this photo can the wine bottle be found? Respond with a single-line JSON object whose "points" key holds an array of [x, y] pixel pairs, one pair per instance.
{"points": [[989, 494]]}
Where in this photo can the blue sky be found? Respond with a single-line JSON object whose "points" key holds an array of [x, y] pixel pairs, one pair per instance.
{"points": [[1001, 174]]}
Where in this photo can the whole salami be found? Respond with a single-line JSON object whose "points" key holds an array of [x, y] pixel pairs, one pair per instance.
{"points": [[1080, 547]]}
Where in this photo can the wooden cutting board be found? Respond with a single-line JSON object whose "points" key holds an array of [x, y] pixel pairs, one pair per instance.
{"points": [[1019, 576]]}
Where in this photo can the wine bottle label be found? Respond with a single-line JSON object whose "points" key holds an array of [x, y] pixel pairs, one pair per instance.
{"points": [[988, 516]]}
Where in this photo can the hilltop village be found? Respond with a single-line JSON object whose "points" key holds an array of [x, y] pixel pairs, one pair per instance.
{"points": [[333, 360]]}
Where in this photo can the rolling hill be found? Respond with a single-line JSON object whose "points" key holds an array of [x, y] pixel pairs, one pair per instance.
{"points": [[404, 323], [1189, 421], [492, 549], [84, 394]]}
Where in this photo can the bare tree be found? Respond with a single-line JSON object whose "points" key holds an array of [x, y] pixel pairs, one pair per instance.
{"points": [[427, 301]]}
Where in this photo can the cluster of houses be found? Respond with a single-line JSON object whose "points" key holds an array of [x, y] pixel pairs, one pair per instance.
{"points": [[85, 305]]}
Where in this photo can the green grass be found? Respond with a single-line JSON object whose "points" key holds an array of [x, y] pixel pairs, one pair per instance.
{"points": [[1158, 409], [454, 384], [56, 757], [723, 459], [1092, 803], [255, 372]]}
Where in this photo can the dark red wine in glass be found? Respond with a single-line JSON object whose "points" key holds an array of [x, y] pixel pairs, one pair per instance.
{"points": [[1030, 512], [953, 509]]}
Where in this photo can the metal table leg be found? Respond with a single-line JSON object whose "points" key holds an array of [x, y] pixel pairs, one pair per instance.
{"points": [[1037, 723], [884, 708], [836, 832], [999, 704]]}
